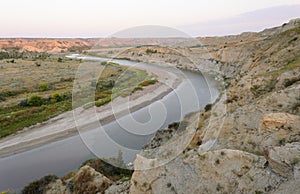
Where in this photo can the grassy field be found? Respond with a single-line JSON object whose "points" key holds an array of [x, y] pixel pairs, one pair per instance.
{"points": [[33, 91]]}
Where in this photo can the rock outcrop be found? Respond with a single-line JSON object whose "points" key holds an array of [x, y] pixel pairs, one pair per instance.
{"points": [[85, 180], [94, 176]]}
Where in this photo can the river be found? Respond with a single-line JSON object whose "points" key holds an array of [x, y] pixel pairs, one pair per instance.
{"points": [[65, 155]]}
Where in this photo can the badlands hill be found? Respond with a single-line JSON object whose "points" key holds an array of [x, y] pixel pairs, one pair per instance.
{"points": [[252, 130], [78, 45], [43, 45]]}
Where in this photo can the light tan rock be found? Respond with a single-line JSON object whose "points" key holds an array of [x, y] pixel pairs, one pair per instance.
{"points": [[118, 187], [57, 187], [85, 180], [282, 159], [221, 171], [273, 120]]}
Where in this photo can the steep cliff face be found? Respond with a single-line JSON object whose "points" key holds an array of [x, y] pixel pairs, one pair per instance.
{"points": [[254, 125]]}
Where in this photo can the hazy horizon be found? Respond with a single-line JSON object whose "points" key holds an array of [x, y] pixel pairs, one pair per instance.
{"points": [[84, 19]]}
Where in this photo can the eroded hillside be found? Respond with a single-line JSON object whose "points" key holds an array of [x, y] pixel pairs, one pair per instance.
{"points": [[256, 148]]}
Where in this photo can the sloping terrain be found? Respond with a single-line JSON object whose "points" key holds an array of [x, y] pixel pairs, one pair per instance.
{"points": [[256, 147], [247, 141]]}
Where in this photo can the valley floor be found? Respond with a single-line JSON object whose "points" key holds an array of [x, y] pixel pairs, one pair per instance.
{"points": [[63, 125]]}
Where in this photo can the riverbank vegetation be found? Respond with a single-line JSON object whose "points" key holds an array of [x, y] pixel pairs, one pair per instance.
{"points": [[38, 87]]}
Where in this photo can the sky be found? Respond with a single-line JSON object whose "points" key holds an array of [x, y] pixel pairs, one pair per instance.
{"points": [[99, 18]]}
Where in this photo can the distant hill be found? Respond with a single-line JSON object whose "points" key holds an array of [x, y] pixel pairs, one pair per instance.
{"points": [[73, 45], [44, 45]]}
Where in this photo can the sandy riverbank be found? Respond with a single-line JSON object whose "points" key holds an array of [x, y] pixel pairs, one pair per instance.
{"points": [[64, 125]]}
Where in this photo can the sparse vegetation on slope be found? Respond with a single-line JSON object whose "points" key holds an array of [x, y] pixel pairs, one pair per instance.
{"points": [[257, 146]]}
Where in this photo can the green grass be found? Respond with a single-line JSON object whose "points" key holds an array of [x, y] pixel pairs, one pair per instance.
{"points": [[16, 119]]}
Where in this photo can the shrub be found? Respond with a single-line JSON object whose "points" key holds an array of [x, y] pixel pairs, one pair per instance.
{"points": [[4, 94], [208, 107], [56, 97], [174, 125], [138, 88], [296, 160], [103, 101], [35, 101], [251, 142], [148, 82], [43, 87], [289, 82], [282, 141], [149, 51], [39, 186], [23, 103]]}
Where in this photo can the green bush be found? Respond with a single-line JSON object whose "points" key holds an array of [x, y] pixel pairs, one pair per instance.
{"points": [[148, 82], [138, 88], [208, 107], [35, 101], [23, 103], [56, 97], [103, 101], [43, 87], [39, 186]]}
